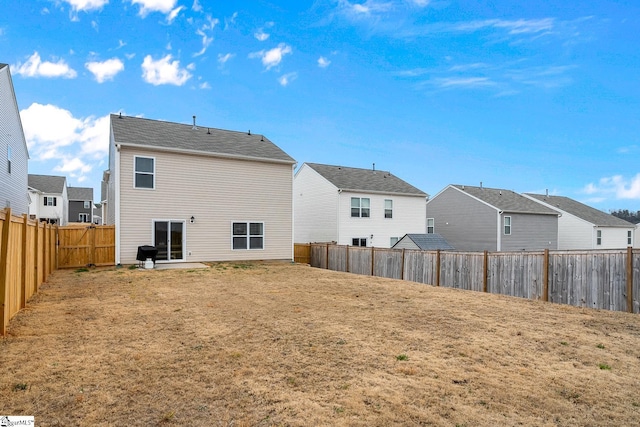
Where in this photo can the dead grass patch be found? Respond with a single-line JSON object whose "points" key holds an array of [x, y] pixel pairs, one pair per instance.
{"points": [[277, 344]]}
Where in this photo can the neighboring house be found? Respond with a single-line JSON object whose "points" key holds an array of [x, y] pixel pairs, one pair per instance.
{"points": [[424, 242], [14, 156], [479, 219], [80, 204], [49, 199], [636, 237], [358, 207], [197, 193], [583, 227]]}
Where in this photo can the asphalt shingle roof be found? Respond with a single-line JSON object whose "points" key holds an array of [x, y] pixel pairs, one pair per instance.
{"points": [[430, 242], [48, 184], [80, 193], [506, 200], [365, 180], [157, 133], [582, 211]]}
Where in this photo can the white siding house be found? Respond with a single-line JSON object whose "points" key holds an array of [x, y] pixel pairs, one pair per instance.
{"points": [[351, 206], [49, 199], [583, 227], [14, 157], [197, 193]]}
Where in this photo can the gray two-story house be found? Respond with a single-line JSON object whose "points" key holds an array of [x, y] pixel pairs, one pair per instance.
{"points": [[14, 192], [80, 204], [479, 218]]}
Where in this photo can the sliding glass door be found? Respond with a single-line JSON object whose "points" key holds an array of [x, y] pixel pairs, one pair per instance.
{"points": [[168, 238]]}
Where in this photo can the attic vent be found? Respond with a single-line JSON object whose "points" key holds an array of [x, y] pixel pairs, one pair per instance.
{"points": [[194, 123], [120, 114], [249, 133], [262, 138], [208, 131]]}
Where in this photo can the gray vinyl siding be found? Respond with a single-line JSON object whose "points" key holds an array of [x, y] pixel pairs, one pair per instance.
{"points": [[216, 192], [530, 232], [13, 186], [466, 223], [75, 208]]}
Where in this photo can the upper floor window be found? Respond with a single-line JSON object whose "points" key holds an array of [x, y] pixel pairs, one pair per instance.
{"points": [[431, 225], [49, 200], [507, 225], [360, 207], [144, 172], [598, 237], [9, 159], [87, 204], [248, 235], [388, 208], [629, 238]]}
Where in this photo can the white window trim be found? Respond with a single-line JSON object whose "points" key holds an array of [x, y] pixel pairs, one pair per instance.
{"points": [[264, 238], [360, 239], [629, 237], [185, 252], [86, 204], [49, 198], [9, 158], [433, 227], [359, 207], [510, 225], [391, 243], [146, 173], [385, 208], [598, 237]]}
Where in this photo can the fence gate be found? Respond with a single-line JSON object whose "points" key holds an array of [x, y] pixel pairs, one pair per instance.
{"points": [[82, 246]]}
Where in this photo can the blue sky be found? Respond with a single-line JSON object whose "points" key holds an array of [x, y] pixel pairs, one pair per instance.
{"points": [[526, 96]]}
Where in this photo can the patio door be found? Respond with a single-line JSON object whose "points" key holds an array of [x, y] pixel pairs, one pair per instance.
{"points": [[168, 238]]}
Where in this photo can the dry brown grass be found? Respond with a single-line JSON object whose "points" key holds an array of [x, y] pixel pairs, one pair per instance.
{"points": [[279, 344]]}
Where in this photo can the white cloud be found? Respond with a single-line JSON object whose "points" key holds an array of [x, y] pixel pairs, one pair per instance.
{"points": [[204, 85], [162, 6], [261, 35], [35, 67], [164, 71], [450, 82], [197, 7], [272, 57], [206, 41], [520, 26], [420, 3], [76, 144], [617, 186], [86, 5], [222, 59], [173, 14], [287, 78], [105, 70], [355, 10], [323, 62]]}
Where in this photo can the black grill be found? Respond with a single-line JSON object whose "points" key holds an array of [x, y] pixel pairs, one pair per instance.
{"points": [[145, 252]]}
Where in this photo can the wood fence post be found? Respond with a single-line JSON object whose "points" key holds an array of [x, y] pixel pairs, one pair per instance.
{"points": [[45, 252], [545, 279], [373, 255], [55, 247], [92, 230], [23, 276], [438, 267], [347, 261], [35, 257], [485, 271], [326, 253], [630, 279], [4, 259], [402, 266]]}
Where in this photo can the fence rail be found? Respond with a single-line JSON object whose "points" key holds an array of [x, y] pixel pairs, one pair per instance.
{"points": [[608, 279]]}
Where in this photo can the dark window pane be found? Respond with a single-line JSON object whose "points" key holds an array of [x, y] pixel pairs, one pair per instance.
{"points": [[239, 228], [255, 243], [355, 212], [255, 228], [144, 181], [144, 164], [365, 212], [239, 243]]}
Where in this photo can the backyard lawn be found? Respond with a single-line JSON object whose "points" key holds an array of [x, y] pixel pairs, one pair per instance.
{"points": [[262, 344]]}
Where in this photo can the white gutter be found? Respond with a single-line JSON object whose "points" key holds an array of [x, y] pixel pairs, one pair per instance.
{"points": [[117, 201]]}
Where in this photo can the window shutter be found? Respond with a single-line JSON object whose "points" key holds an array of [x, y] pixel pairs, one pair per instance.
{"points": [[54, 201], [44, 201]]}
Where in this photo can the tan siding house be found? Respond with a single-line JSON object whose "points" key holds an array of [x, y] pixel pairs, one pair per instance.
{"points": [[198, 194]]}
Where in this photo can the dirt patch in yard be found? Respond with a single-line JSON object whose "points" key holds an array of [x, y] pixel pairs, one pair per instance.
{"points": [[263, 344]]}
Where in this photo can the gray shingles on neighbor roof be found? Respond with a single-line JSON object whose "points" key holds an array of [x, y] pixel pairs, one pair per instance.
{"points": [[365, 180], [506, 200], [175, 136], [80, 193], [582, 211], [48, 184], [429, 242]]}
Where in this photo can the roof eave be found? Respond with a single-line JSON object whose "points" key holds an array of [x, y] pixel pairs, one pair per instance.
{"points": [[391, 193], [205, 153]]}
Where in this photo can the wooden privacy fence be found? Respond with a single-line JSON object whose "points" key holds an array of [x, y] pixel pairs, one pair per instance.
{"points": [[27, 257], [608, 279], [84, 245]]}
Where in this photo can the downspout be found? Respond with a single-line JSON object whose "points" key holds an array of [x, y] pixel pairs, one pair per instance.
{"points": [[293, 212], [499, 240], [116, 186], [338, 217]]}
